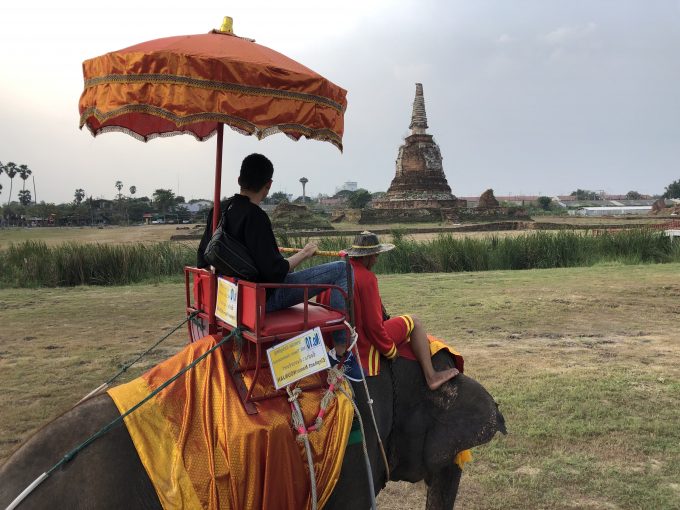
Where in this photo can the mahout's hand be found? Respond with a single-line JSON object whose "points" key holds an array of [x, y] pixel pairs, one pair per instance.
{"points": [[310, 249]]}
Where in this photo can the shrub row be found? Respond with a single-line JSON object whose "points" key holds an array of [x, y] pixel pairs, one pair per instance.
{"points": [[538, 250], [34, 264]]}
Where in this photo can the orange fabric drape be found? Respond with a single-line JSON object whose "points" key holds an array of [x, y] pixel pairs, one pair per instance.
{"points": [[189, 84], [201, 450]]}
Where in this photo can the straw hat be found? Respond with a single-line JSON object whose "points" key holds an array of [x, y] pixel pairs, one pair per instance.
{"points": [[366, 244]]}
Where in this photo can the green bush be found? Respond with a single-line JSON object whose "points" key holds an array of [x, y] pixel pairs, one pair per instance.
{"points": [[34, 264], [538, 250], [529, 251]]}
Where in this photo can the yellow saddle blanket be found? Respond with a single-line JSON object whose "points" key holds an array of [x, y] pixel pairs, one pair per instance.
{"points": [[201, 450]]}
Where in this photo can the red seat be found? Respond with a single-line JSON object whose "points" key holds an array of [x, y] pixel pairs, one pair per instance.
{"points": [[259, 328], [292, 319]]}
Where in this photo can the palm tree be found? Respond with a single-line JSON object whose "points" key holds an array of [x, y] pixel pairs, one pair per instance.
{"points": [[79, 195], [163, 198], [119, 186], [24, 172], [11, 170], [133, 190], [25, 197]]}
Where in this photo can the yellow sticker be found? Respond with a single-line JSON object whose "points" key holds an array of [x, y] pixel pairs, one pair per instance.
{"points": [[227, 301]]}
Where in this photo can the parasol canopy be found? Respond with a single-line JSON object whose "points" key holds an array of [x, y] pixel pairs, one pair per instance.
{"points": [[193, 83], [196, 84]]}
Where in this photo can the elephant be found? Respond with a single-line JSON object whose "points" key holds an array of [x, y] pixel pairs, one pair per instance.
{"points": [[422, 431]]}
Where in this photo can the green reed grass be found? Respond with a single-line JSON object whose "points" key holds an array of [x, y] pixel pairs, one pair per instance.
{"points": [[539, 250], [34, 264]]}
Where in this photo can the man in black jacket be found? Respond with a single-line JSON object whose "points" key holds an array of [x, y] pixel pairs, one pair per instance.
{"points": [[248, 223]]}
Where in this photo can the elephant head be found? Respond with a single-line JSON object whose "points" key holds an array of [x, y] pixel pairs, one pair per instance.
{"points": [[431, 427]]}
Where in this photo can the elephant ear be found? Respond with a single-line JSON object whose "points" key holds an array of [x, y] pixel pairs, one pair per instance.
{"points": [[463, 415]]}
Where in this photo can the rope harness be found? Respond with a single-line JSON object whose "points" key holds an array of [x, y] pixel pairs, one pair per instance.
{"points": [[335, 376], [353, 347]]}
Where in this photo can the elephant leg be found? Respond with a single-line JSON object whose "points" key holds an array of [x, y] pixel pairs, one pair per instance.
{"points": [[442, 488], [352, 489]]}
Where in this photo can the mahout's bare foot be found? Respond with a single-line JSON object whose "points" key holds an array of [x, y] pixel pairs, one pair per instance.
{"points": [[439, 378]]}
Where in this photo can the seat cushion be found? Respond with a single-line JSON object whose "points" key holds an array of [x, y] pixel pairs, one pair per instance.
{"points": [[291, 320]]}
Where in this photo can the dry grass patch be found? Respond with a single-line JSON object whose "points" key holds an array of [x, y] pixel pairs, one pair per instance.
{"points": [[585, 364], [111, 234]]}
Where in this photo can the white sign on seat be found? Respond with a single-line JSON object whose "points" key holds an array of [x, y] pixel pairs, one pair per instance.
{"points": [[226, 307], [295, 359]]}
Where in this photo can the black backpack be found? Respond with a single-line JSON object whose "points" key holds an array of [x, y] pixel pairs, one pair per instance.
{"points": [[228, 255]]}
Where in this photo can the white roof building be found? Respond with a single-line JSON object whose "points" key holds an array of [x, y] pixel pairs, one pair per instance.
{"points": [[348, 186], [611, 210]]}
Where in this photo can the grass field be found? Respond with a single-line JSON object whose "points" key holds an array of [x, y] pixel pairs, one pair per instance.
{"points": [[157, 233], [114, 234], [585, 364]]}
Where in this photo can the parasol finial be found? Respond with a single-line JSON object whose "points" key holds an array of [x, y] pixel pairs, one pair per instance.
{"points": [[227, 25]]}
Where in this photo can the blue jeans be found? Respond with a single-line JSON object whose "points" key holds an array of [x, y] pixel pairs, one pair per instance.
{"points": [[333, 273]]}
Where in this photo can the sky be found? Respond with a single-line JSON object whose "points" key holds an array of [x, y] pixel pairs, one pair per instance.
{"points": [[533, 97]]}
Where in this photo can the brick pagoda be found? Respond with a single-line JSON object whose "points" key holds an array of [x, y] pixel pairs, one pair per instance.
{"points": [[419, 182]]}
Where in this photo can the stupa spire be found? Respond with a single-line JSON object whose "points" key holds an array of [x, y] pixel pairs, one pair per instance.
{"points": [[418, 117]]}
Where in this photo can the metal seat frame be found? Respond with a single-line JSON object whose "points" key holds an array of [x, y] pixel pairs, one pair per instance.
{"points": [[256, 339]]}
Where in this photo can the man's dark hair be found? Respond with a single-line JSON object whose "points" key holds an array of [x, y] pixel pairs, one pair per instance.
{"points": [[256, 171]]}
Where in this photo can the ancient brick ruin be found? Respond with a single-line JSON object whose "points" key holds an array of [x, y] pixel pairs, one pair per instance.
{"points": [[419, 182], [487, 200]]}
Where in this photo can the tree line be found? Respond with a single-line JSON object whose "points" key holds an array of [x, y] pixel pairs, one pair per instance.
{"points": [[125, 208], [671, 191]]}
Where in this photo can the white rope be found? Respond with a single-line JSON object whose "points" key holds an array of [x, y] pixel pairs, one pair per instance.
{"points": [[353, 334], [369, 470], [94, 392], [299, 424], [26, 492], [369, 400]]}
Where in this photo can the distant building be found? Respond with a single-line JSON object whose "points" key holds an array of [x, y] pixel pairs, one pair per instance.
{"points": [[196, 206], [332, 201], [518, 200], [611, 210], [348, 186]]}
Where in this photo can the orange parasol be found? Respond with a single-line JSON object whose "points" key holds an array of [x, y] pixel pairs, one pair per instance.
{"points": [[195, 84]]}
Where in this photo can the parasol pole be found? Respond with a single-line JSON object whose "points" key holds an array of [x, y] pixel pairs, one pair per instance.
{"points": [[218, 176]]}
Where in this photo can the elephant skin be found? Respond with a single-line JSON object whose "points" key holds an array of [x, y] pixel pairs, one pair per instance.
{"points": [[422, 431]]}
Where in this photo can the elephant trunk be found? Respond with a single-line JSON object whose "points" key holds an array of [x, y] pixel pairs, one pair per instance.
{"points": [[442, 488]]}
